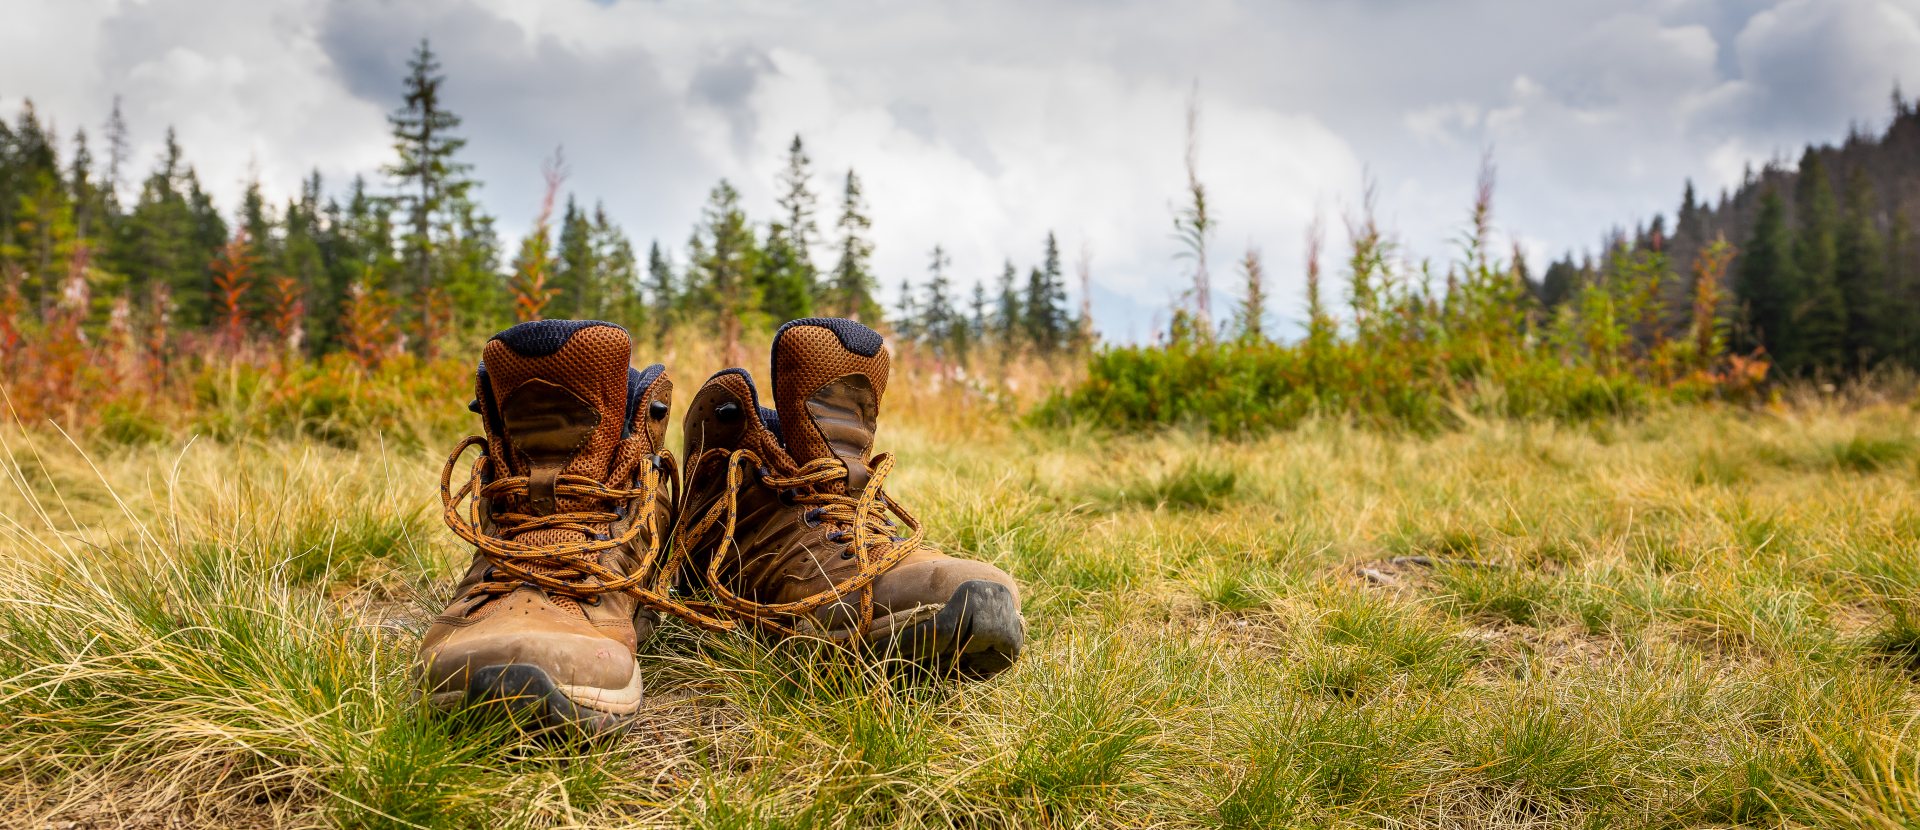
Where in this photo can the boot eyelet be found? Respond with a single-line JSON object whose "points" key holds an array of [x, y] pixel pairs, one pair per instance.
{"points": [[811, 518], [593, 601], [787, 497], [847, 554]]}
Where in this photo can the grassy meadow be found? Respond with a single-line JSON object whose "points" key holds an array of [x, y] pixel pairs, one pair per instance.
{"points": [[1702, 617]]}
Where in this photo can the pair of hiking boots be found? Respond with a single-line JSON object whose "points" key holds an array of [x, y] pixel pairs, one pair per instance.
{"points": [[586, 538]]}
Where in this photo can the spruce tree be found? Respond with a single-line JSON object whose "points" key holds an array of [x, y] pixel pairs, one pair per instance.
{"points": [[576, 269], [427, 175], [906, 319], [977, 320], [1902, 289], [796, 282], [1766, 278], [1859, 271], [723, 258], [1009, 318], [118, 149], [90, 206], [256, 221], [1046, 302], [1686, 226], [9, 180], [660, 291], [786, 289], [36, 223], [937, 319], [162, 244], [303, 258], [853, 280], [619, 271], [1819, 316], [470, 265]]}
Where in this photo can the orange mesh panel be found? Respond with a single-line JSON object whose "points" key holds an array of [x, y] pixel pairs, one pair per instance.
{"points": [[593, 364], [805, 359]]}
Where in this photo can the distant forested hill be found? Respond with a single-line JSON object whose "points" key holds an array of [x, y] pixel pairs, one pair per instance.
{"points": [[1827, 272]]}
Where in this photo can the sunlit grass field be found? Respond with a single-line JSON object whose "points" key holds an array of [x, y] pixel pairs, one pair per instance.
{"points": [[1705, 617]]}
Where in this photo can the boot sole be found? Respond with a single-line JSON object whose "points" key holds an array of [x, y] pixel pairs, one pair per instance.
{"points": [[976, 634], [529, 695]]}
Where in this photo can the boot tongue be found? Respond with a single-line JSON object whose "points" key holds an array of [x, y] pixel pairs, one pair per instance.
{"points": [[828, 378], [561, 390]]}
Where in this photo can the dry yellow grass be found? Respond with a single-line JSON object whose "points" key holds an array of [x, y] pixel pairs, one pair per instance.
{"points": [[1703, 618]]}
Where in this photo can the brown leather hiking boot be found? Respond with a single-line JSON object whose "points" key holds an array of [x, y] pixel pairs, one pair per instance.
{"points": [[572, 501], [784, 522]]}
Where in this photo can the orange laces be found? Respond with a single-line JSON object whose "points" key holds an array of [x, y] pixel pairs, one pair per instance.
{"points": [[568, 569], [873, 546]]}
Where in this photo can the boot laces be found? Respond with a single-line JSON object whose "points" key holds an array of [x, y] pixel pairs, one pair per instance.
{"points": [[864, 518], [571, 568]]}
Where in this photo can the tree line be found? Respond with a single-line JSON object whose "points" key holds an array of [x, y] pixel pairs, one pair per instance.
{"points": [[1826, 275], [395, 263]]}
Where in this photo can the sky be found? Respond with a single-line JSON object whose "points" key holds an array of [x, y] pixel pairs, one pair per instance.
{"points": [[982, 125]]}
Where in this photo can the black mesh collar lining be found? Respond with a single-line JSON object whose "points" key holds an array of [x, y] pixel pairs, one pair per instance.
{"points": [[539, 338], [857, 338]]}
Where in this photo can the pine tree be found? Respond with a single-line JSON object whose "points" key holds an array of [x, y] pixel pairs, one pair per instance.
{"points": [[9, 182], [1009, 317], [619, 271], [427, 175], [118, 150], [1859, 271], [853, 280], [792, 281], [978, 322], [1819, 316], [723, 258], [90, 206], [1045, 305], [660, 291], [576, 271], [1902, 288], [36, 220], [257, 223], [1686, 226], [1558, 283], [470, 265], [164, 241], [906, 319], [937, 319], [303, 259], [1767, 277]]}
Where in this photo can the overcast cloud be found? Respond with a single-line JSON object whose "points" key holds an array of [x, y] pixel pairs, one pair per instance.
{"points": [[981, 125]]}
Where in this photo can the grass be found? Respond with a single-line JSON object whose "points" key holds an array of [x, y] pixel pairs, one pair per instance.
{"points": [[1700, 618]]}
